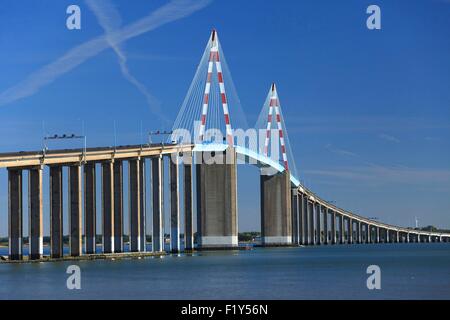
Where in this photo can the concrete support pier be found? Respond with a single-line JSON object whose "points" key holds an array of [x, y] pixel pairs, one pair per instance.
{"points": [[341, 229], [143, 206], [318, 209], [175, 245], [276, 224], [15, 211], [217, 203], [35, 208], [90, 208], [108, 207], [306, 226], [301, 218], [158, 204], [333, 227], [75, 225], [325, 225], [358, 232], [118, 206], [188, 207], [56, 212], [350, 231], [312, 237], [134, 205], [294, 207]]}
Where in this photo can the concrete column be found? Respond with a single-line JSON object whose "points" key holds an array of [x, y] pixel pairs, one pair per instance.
{"points": [[333, 227], [341, 229], [188, 207], [305, 208], [312, 236], [301, 218], [350, 230], [217, 204], [358, 232], [318, 209], [325, 225], [108, 207], [368, 233], [158, 204], [294, 218], [388, 236], [75, 225], [276, 209], [35, 207], [174, 205], [377, 234], [90, 208], [429, 239], [118, 206], [143, 209], [134, 205], [397, 237], [15, 210], [56, 212]]}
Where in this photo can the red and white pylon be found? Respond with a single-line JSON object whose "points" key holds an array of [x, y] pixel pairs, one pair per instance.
{"points": [[274, 104], [214, 57]]}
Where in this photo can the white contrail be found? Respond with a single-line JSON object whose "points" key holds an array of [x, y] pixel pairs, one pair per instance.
{"points": [[109, 19], [174, 10]]}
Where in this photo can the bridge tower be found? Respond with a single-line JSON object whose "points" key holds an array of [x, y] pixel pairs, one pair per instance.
{"points": [[276, 206], [216, 171]]}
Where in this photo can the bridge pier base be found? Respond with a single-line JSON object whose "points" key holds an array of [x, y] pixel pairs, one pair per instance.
{"points": [[276, 226], [217, 201]]}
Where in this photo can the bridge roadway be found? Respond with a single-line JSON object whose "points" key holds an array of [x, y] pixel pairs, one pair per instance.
{"points": [[291, 213]]}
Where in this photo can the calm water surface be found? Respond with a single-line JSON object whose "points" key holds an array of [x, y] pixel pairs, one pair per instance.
{"points": [[408, 271]]}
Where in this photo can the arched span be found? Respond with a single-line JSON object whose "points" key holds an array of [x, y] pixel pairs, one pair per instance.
{"points": [[262, 161]]}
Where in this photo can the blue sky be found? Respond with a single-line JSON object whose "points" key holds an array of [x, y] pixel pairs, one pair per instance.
{"points": [[368, 111]]}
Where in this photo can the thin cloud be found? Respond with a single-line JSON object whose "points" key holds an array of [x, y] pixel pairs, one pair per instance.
{"points": [[388, 138], [388, 175], [172, 11], [340, 124], [109, 19], [341, 152]]}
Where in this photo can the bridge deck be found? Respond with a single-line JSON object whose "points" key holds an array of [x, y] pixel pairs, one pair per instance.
{"points": [[49, 157], [68, 156]]}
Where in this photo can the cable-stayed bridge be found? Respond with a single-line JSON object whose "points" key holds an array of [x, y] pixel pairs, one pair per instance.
{"points": [[210, 139]]}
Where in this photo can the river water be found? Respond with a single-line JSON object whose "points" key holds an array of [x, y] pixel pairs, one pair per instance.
{"points": [[408, 271]]}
